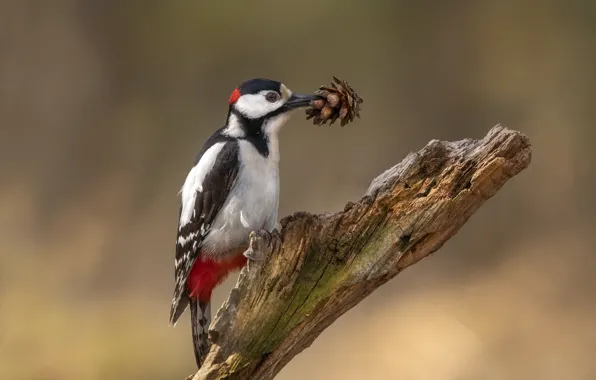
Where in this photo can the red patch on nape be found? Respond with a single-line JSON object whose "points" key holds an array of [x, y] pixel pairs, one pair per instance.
{"points": [[234, 97], [206, 274]]}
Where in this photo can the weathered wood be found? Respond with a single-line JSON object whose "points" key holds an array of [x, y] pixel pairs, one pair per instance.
{"points": [[319, 266]]}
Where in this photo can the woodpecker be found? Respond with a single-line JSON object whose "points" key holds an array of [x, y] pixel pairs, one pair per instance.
{"points": [[232, 189]]}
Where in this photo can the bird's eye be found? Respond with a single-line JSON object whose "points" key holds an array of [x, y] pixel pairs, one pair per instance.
{"points": [[272, 97]]}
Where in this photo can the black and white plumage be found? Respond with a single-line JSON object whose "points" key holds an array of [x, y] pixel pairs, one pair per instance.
{"points": [[232, 189], [205, 191]]}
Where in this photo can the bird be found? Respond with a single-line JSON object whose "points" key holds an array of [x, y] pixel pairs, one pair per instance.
{"points": [[231, 190]]}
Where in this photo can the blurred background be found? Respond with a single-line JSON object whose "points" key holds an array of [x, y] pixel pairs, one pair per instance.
{"points": [[103, 106]]}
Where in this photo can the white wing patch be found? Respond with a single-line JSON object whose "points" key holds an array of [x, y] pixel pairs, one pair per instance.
{"points": [[194, 182], [182, 240], [181, 260]]}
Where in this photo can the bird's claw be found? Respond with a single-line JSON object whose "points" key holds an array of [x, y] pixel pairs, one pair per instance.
{"points": [[255, 253], [253, 256]]}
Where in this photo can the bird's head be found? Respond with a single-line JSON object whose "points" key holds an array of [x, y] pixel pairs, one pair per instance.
{"points": [[262, 106]]}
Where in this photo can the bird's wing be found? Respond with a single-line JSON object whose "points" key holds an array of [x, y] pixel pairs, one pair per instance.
{"points": [[204, 192]]}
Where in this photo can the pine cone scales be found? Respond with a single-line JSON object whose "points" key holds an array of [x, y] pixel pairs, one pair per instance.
{"points": [[338, 101]]}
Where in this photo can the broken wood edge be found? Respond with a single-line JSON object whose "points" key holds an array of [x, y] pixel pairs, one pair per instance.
{"points": [[320, 266]]}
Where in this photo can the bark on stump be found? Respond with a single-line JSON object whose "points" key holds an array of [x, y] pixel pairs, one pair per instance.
{"points": [[320, 266]]}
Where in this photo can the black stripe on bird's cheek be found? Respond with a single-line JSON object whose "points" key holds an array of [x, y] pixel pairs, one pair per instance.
{"points": [[254, 132]]}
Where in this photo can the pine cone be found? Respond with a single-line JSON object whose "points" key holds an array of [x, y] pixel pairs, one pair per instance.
{"points": [[338, 101]]}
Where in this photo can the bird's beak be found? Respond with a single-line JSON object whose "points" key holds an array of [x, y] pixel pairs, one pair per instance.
{"points": [[300, 100]]}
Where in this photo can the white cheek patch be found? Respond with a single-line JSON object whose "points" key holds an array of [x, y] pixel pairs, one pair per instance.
{"points": [[255, 106]]}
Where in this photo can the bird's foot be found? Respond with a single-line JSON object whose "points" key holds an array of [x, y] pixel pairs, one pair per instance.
{"points": [[261, 244], [254, 255]]}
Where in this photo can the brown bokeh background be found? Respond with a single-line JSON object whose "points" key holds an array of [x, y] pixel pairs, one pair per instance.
{"points": [[103, 106]]}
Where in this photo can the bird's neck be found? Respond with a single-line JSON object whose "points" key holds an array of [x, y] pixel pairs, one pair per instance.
{"points": [[262, 133], [271, 128]]}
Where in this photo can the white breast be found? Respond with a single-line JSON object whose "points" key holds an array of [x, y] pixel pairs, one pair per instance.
{"points": [[252, 204]]}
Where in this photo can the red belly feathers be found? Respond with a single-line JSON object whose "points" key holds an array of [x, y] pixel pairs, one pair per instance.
{"points": [[206, 274]]}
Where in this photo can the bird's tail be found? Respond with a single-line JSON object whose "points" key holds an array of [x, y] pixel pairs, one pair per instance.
{"points": [[200, 315]]}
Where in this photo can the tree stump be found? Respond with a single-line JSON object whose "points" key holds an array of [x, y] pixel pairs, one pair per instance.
{"points": [[319, 266]]}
